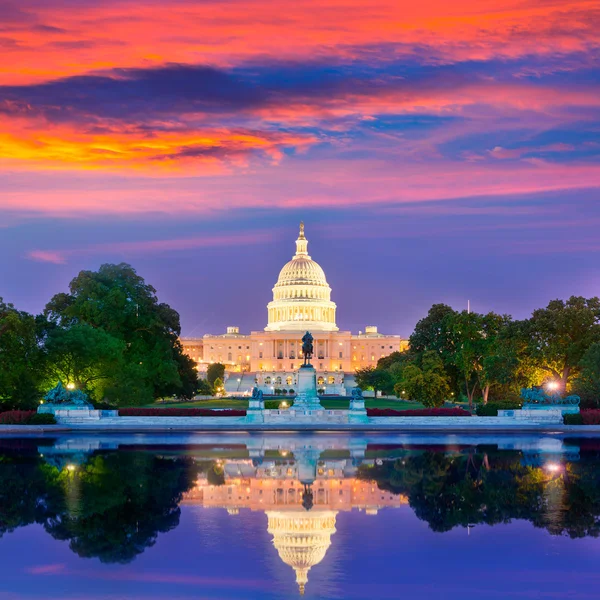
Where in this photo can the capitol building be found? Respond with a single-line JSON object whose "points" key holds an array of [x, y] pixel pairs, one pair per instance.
{"points": [[270, 358]]}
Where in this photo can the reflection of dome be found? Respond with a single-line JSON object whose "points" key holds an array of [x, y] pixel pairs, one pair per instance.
{"points": [[301, 296], [301, 539]]}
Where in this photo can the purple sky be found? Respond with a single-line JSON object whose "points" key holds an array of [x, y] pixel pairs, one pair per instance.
{"points": [[433, 160]]}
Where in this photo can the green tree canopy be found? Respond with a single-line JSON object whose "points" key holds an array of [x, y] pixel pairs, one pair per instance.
{"points": [[85, 356], [587, 382], [213, 372], [425, 380], [116, 300], [371, 378], [21, 359], [431, 332], [218, 387], [474, 339], [560, 335]]}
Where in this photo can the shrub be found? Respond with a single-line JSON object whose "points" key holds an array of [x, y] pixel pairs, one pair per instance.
{"points": [[423, 412], [180, 412], [573, 419], [42, 419], [590, 416], [16, 417], [26, 417], [491, 408], [103, 406], [284, 391], [274, 404], [291, 391]]}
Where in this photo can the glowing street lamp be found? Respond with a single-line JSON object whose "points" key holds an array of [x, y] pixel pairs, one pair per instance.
{"points": [[553, 386]]}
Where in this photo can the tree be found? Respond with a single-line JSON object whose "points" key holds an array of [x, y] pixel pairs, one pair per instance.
{"points": [[213, 372], [375, 379], [560, 335], [508, 365], [116, 300], [425, 380], [85, 356], [204, 388], [474, 338], [219, 388], [431, 332], [587, 382], [21, 359]]}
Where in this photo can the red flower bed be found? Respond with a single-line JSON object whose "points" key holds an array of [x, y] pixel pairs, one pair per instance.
{"points": [[590, 416], [16, 417], [421, 412], [179, 412]]}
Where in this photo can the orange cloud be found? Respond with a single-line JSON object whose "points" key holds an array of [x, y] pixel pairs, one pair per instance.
{"points": [[43, 145], [75, 38]]}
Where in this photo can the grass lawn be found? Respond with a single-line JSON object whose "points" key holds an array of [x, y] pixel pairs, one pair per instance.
{"points": [[327, 403]]}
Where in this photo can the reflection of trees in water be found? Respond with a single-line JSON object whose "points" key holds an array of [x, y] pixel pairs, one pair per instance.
{"points": [[28, 492], [112, 507], [493, 487]]}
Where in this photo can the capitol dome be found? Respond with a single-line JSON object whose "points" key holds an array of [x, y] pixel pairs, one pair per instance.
{"points": [[301, 539], [301, 296]]}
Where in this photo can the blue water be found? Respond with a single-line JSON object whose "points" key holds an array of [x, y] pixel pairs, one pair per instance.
{"points": [[337, 516]]}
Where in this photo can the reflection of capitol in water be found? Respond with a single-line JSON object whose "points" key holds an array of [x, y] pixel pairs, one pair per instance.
{"points": [[301, 496]]}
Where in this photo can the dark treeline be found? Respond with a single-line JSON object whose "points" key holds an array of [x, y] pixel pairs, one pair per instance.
{"points": [[489, 486], [490, 357], [108, 335]]}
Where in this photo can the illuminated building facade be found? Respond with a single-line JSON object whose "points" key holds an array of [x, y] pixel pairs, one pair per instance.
{"points": [[269, 358]]}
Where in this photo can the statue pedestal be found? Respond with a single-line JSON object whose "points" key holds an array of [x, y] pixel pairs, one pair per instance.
{"points": [[255, 412], [357, 412], [307, 398]]}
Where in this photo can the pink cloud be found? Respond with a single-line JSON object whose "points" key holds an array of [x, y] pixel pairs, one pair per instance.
{"points": [[152, 246], [49, 569], [49, 256]]}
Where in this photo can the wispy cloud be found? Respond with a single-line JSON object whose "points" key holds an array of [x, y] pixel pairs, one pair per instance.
{"points": [[150, 246]]}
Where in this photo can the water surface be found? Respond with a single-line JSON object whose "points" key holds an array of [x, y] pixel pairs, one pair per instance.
{"points": [[277, 516]]}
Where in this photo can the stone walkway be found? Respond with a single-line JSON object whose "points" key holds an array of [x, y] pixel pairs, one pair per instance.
{"points": [[239, 424]]}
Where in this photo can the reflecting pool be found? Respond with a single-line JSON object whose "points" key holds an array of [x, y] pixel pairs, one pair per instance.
{"points": [[279, 516]]}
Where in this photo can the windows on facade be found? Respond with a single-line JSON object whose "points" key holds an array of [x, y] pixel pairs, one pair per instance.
{"points": [[331, 380], [267, 381], [260, 355], [320, 381]]}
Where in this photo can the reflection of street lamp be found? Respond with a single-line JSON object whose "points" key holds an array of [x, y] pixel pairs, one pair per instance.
{"points": [[553, 467]]}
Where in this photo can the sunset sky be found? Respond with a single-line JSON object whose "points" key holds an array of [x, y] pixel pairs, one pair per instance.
{"points": [[437, 151]]}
